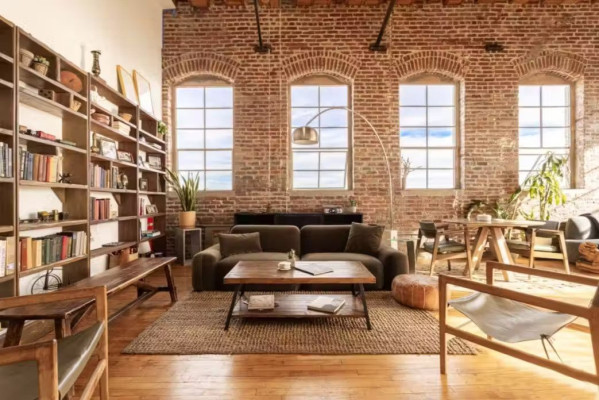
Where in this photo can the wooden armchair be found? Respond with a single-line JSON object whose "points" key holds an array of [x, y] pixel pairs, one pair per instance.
{"points": [[48, 370], [557, 314], [442, 247]]}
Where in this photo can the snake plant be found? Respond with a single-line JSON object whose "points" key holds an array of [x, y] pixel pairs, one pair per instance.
{"points": [[185, 188]]}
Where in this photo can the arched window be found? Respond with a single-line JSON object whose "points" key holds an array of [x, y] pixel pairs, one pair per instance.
{"points": [[429, 131], [203, 109], [326, 165], [545, 113]]}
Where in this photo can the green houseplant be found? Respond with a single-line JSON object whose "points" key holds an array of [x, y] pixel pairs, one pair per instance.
{"points": [[545, 186], [186, 189]]}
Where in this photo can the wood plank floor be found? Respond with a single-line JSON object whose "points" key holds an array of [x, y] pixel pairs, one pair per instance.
{"points": [[251, 377]]}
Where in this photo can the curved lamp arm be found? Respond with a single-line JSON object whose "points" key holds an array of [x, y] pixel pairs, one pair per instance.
{"points": [[382, 147]]}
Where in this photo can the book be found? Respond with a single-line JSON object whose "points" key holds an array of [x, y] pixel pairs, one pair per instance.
{"points": [[3, 258], [326, 304], [10, 255], [261, 302], [313, 269]]}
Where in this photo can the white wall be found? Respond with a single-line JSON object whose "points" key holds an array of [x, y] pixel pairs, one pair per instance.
{"points": [[128, 32]]}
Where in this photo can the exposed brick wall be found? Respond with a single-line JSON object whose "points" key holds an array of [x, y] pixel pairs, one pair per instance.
{"points": [[421, 38]]}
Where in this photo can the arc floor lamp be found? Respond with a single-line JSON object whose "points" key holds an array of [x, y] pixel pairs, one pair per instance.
{"points": [[307, 135]]}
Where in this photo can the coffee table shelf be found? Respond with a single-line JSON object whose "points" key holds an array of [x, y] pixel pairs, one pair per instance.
{"points": [[296, 306]]}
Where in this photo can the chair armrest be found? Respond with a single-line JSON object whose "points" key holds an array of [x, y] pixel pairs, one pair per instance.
{"points": [[555, 232], [581, 280], [394, 263], [203, 269]]}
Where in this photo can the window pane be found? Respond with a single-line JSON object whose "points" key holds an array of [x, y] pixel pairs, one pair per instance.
{"points": [[556, 116], [304, 96], [556, 137], [412, 116], [335, 160], [441, 137], [333, 96], [190, 139], [440, 179], [305, 179], [440, 158], [219, 180], [412, 137], [188, 160], [190, 118], [333, 119], [529, 96], [219, 97], [527, 161], [412, 95], [441, 95], [300, 116], [529, 117], [416, 179], [188, 97], [416, 157], [305, 160], [441, 116], [530, 137], [219, 118], [333, 138], [556, 95], [332, 179], [219, 160], [219, 139]]}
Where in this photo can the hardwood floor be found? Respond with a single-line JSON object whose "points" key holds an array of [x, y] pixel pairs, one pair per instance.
{"points": [[251, 377]]}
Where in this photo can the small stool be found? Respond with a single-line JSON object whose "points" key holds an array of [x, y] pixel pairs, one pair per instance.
{"points": [[416, 291]]}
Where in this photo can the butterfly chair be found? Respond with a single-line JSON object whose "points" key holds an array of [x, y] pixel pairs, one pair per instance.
{"points": [[442, 247], [49, 370], [510, 316]]}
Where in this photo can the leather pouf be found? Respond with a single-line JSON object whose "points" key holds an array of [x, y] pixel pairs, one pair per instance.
{"points": [[417, 291]]}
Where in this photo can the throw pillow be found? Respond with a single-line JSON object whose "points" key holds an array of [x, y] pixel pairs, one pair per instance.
{"points": [[242, 243], [364, 238]]}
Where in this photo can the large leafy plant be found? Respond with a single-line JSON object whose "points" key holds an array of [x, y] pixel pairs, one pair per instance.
{"points": [[545, 185], [186, 188]]}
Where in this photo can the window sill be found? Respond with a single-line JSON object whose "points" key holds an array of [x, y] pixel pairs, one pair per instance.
{"points": [[210, 193], [429, 192], [321, 192]]}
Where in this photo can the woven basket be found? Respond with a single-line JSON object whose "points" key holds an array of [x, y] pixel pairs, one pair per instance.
{"points": [[41, 68]]}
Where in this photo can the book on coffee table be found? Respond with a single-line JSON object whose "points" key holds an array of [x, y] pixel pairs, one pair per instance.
{"points": [[313, 269], [261, 302], [326, 304]]}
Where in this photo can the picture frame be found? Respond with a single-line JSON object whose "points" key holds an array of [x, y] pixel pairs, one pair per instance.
{"points": [[151, 209], [155, 161], [124, 156], [143, 184], [126, 84], [108, 148], [141, 158], [144, 92]]}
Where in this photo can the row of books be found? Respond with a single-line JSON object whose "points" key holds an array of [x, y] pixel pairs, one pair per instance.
{"points": [[100, 209], [36, 252], [5, 160], [7, 256], [103, 177], [40, 167]]}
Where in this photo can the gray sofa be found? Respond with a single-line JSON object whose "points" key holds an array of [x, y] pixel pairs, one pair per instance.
{"points": [[312, 243], [579, 230]]}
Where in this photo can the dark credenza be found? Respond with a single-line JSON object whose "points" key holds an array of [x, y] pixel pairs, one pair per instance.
{"points": [[297, 219]]}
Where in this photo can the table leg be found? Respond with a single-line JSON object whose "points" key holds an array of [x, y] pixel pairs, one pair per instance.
{"points": [[469, 267], [14, 333], [172, 289], [62, 328], [363, 296], [502, 251], [238, 289], [479, 247], [411, 248]]}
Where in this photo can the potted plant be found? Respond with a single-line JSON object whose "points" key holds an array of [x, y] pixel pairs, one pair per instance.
{"points": [[187, 191], [545, 185], [162, 131], [41, 64], [353, 205]]}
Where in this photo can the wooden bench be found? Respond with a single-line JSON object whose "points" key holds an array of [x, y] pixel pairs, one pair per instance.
{"points": [[66, 314]]}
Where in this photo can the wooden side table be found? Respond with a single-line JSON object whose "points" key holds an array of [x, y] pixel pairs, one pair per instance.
{"points": [[195, 243]]}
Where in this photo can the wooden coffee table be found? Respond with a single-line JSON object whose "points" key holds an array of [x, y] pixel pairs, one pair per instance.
{"points": [[296, 305]]}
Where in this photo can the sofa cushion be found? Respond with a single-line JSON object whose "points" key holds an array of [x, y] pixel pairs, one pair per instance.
{"points": [[373, 264], [525, 246], [241, 243], [226, 264], [274, 238], [324, 238], [364, 238], [579, 228]]}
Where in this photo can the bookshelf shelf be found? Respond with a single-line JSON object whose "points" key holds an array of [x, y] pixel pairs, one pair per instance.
{"points": [[152, 215], [110, 132], [7, 278], [6, 84], [6, 228], [52, 143], [49, 106], [60, 263], [146, 169], [53, 224], [107, 250], [111, 190], [5, 58], [147, 147], [54, 185], [152, 193], [6, 132], [7, 180], [117, 219], [151, 137], [39, 81], [117, 163], [147, 239]]}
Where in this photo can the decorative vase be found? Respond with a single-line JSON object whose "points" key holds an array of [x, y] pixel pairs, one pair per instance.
{"points": [[187, 219], [40, 67], [96, 65], [26, 57], [404, 182]]}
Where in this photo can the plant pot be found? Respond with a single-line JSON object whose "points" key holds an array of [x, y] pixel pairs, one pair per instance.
{"points": [[352, 209], [41, 68], [187, 219], [26, 57]]}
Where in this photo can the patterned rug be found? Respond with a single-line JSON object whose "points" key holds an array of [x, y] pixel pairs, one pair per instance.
{"points": [[195, 326]]}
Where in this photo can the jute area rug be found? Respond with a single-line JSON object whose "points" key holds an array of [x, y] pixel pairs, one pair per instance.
{"points": [[195, 326]]}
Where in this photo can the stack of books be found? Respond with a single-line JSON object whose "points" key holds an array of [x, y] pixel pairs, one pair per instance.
{"points": [[7, 256], [36, 252], [121, 127], [40, 167], [5, 160], [326, 304], [100, 209], [150, 234], [104, 178]]}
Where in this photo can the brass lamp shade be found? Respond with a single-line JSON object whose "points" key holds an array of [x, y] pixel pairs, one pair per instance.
{"points": [[305, 135]]}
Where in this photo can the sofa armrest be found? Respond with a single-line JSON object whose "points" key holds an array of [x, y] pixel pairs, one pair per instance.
{"points": [[394, 263], [203, 268]]}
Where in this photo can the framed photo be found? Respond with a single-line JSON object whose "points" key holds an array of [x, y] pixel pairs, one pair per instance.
{"points": [[144, 92], [141, 158], [124, 156], [143, 184], [108, 148], [151, 209], [155, 161], [126, 85]]}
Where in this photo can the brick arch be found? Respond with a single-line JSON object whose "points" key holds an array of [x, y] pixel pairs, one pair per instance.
{"points": [[320, 62], [566, 65], [436, 62], [177, 69]]}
